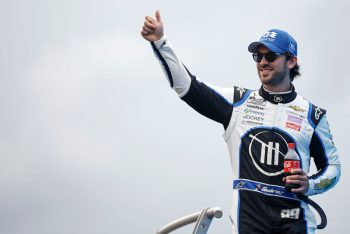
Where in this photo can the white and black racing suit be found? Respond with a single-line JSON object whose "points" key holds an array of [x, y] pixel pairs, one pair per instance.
{"points": [[258, 126]]}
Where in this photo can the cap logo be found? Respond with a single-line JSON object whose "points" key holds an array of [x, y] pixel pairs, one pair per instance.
{"points": [[271, 36], [291, 47]]}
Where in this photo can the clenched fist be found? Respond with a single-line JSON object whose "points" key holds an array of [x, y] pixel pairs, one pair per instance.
{"points": [[152, 29]]}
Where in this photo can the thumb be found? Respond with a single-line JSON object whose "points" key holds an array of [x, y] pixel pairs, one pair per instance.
{"points": [[158, 16]]}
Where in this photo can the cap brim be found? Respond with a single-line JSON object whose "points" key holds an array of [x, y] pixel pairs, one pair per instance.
{"points": [[254, 46]]}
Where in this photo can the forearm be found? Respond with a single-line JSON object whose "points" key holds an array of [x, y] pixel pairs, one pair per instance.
{"points": [[326, 158], [324, 182], [173, 68]]}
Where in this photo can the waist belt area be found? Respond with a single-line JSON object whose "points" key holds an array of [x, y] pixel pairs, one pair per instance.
{"points": [[267, 189], [279, 191]]}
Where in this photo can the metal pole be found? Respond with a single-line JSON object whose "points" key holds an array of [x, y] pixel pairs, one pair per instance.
{"points": [[203, 219]]}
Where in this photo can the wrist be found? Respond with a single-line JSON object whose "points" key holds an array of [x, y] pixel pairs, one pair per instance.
{"points": [[310, 190], [160, 41]]}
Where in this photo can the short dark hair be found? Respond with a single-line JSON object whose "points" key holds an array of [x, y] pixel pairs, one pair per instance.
{"points": [[294, 72]]}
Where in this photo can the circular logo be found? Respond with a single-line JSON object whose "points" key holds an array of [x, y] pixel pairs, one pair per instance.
{"points": [[277, 98], [266, 149]]}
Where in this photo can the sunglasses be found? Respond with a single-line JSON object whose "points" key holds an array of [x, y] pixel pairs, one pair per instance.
{"points": [[270, 56]]}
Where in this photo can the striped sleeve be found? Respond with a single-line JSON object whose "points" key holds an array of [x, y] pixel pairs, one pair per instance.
{"points": [[174, 70], [213, 102]]}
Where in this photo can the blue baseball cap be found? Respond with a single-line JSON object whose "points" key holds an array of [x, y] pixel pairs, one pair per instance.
{"points": [[277, 41]]}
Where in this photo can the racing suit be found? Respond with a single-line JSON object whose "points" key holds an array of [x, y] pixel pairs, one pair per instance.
{"points": [[258, 126]]}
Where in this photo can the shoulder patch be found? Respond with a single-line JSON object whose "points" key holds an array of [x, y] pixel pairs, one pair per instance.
{"points": [[239, 93], [315, 114]]}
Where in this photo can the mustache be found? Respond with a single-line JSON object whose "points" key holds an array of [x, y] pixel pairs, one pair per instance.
{"points": [[265, 66]]}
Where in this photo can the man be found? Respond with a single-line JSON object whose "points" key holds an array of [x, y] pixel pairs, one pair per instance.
{"points": [[258, 125]]}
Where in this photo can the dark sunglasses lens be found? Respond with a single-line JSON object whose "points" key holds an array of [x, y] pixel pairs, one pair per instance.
{"points": [[257, 57], [270, 57]]}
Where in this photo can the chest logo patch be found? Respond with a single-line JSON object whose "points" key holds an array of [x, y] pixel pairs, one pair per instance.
{"points": [[266, 148]]}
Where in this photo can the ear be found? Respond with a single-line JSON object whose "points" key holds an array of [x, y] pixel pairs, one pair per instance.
{"points": [[292, 62]]}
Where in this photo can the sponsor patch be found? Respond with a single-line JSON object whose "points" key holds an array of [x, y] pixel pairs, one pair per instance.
{"points": [[296, 114], [257, 101], [324, 184], [241, 91], [294, 119], [290, 213], [253, 112], [292, 47], [269, 161], [293, 126], [254, 118], [269, 36], [297, 108], [277, 98], [251, 123], [318, 112], [255, 107], [269, 190], [240, 185]]}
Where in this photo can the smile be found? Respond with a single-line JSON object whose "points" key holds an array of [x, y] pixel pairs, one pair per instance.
{"points": [[265, 69]]}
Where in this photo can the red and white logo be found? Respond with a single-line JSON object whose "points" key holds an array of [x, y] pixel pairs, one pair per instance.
{"points": [[293, 126], [291, 164]]}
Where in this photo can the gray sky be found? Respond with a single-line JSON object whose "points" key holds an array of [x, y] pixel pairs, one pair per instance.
{"points": [[92, 138]]}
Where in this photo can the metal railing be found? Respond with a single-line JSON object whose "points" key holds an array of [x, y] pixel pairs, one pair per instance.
{"points": [[202, 219]]}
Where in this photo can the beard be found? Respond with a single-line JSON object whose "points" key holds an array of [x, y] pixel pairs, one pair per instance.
{"points": [[271, 76]]}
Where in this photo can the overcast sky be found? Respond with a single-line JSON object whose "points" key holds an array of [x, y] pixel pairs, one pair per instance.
{"points": [[93, 140]]}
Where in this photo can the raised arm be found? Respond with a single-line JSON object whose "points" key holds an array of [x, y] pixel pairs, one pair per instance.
{"points": [[213, 102], [178, 77]]}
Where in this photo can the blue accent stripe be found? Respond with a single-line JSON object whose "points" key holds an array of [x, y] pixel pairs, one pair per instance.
{"points": [[245, 96], [238, 210], [309, 116], [164, 63], [267, 189], [306, 221]]}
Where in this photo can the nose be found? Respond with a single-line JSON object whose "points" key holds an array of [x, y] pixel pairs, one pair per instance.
{"points": [[263, 61]]}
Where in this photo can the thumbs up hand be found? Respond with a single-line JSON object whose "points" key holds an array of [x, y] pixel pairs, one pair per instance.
{"points": [[152, 29]]}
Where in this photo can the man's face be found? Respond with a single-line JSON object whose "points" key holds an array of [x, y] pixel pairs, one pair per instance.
{"points": [[272, 73]]}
